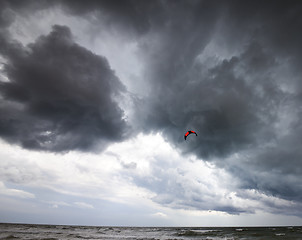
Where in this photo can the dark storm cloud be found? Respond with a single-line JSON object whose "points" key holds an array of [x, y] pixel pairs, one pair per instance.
{"points": [[60, 96], [229, 70], [10, 8], [129, 15], [243, 103], [228, 103]]}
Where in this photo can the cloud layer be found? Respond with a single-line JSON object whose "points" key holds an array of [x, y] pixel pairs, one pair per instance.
{"points": [[228, 70], [60, 95]]}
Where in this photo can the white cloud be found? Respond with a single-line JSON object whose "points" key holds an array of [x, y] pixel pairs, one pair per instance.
{"points": [[96, 176], [57, 204], [174, 187], [14, 192], [83, 205], [3, 77], [160, 214]]}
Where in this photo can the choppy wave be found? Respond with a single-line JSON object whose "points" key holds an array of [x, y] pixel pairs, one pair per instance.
{"points": [[53, 232]]}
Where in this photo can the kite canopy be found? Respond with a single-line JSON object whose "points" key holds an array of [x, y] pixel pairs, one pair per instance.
{"points": [[188, 133]]}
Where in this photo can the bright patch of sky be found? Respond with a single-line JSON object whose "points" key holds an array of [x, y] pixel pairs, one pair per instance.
{"points": [[84, 181]]}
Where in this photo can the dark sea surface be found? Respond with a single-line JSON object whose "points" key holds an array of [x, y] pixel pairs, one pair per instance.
{"points": [[53, 232]]}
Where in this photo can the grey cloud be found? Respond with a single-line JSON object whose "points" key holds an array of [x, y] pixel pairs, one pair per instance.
{"points": [[174, 188], [125, 165], [10, 8], [239, 103], [60, 96], [131, 165], [17, 170], [228, 111], [128, 15]]}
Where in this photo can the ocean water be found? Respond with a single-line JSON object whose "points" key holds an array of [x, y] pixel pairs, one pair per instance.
{"points": [[53, 232]]}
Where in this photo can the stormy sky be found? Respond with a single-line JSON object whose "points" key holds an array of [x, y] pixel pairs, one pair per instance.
{"points": [[96, 96]]}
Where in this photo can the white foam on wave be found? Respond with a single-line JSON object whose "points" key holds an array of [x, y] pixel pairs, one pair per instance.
{"points": [[280, 234]]}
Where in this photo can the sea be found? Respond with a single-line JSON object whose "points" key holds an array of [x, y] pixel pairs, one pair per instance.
{"points": [[54, 232]]}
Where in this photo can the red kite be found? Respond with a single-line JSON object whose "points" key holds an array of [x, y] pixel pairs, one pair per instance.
{"points": [[189, 132]]}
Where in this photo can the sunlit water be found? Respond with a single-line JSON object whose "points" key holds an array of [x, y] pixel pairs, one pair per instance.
{"points": [[29, 231]]}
